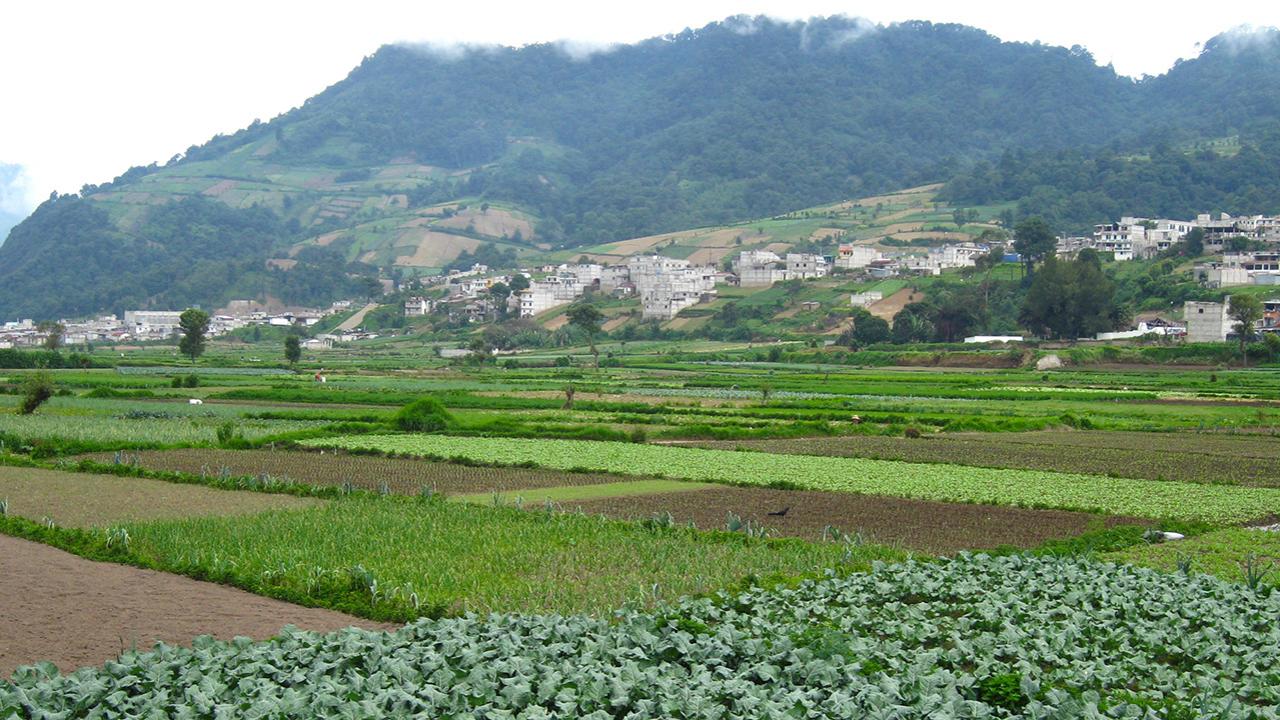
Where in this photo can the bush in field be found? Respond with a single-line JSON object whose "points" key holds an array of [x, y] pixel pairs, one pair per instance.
{"points": [[36, 389], [424, 415]]}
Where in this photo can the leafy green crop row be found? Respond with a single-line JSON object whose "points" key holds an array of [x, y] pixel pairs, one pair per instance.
{"points": [[1025, 488], [972, 637]]}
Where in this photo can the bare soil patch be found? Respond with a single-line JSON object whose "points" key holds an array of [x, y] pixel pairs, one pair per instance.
{"points": [[74, 612], [940, 235], [401, 475], [354, 321], [84, 500], [493, 222], [426, 248], [219, 188], [888, 308], [921, 525]]}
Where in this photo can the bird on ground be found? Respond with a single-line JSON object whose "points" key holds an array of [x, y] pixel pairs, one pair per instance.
{"points": [[780, 513]]}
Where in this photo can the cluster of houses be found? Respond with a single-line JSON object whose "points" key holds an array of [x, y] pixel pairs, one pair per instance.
{"points": [[1143, 238], [150, 325], [1241, 268], [664, 285]]}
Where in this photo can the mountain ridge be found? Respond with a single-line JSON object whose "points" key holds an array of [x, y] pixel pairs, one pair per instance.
{"points": [[702, 127]]}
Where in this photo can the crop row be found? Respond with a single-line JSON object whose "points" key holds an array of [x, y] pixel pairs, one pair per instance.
{"points": [[397, 475], [973, 637], [1184, 457], [953, 483]]}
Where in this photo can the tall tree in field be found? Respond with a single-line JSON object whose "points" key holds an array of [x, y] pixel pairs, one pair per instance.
{"points": [[1246, 310], [1070, 299], [1033, 240], [194, 325], [292, 349], [587, 318], [54, 333]]}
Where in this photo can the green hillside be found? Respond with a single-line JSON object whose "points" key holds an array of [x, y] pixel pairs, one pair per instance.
{"points": [[742, 119]]}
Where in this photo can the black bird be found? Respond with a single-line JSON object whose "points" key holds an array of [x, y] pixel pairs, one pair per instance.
{"points": [[780, 513]]}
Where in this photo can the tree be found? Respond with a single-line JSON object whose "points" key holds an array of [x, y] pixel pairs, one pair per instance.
{"points": [[292, 349], [37, 388], [913, 324], [1034, 240], [500, 292], [867, 330], [54, 333], [481, 351], [518, 283], [587, 318], [1070, 299], [194, 325], [1246, 310], [1193, 243]]}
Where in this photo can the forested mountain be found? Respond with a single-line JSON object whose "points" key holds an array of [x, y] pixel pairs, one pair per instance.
{"points": [[740, 119]]}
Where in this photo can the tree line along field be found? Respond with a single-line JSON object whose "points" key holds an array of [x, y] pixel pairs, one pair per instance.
{"points": [[515, 503]]}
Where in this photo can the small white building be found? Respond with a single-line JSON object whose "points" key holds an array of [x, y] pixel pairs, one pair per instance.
{"points": [[866, 299], [1207, 321], [758, 268], [802, 266], [852, 257], [152, 322], [418, 307]]}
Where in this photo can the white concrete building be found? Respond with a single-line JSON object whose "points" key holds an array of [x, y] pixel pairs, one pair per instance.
{"points": [[666, 285], [418, 307], [758, 268], [866, 299], [1207, 321], [152, 322], [802, 266], [852, 257]]}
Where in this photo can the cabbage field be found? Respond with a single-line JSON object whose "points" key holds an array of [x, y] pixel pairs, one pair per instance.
{"points": [[952, 483], [971, 637]]}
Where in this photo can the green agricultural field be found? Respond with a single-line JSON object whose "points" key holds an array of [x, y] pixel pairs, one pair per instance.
{"points": [[432, 557], [1204, 458], [951, 483], [85, 500], [970, 637]]}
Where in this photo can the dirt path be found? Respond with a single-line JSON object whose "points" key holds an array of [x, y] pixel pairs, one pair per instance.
{"points": [[75, 612], [354, 321]]}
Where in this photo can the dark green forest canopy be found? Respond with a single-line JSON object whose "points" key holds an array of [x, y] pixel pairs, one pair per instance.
{"points": [[738, 120]]}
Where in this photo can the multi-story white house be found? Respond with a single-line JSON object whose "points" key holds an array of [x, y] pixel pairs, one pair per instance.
{"points": [[802, 266], [758, 268], [852, 257], [1207, 321], [418, 307], [667, 285]]}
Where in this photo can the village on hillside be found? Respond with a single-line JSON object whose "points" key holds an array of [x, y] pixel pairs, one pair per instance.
{"points": [[1249, 248]]}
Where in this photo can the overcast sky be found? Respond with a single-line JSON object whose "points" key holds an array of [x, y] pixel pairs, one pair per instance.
{"points": [[89, 88]]}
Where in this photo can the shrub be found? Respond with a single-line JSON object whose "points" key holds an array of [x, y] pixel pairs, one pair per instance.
{"points": [[37, 388], [191, 381], [911, 432], [424, 415]]}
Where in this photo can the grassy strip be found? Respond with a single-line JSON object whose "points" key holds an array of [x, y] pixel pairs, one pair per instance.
{"points": [[417, 557], [118, 547], [949, 483], [570, 493], [1239, 554]]}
